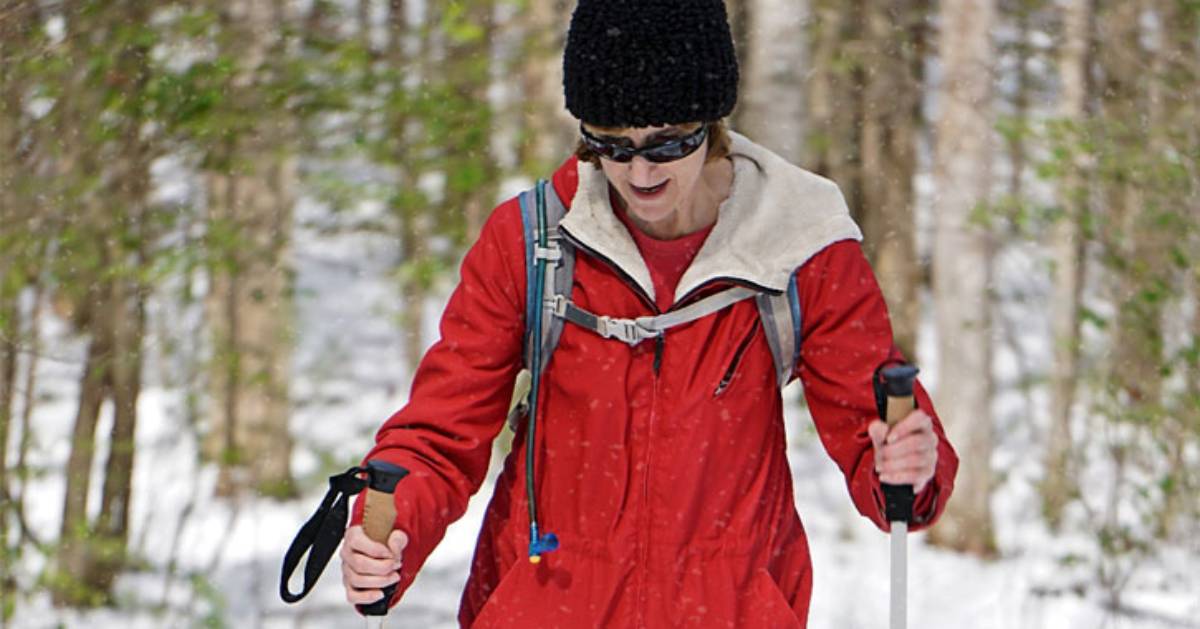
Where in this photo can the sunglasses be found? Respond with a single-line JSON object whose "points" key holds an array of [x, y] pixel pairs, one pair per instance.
{"points": [[659, 153]]}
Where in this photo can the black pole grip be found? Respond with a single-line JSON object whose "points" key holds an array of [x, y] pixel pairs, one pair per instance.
{"points": [[379, 514], [894, 388]]}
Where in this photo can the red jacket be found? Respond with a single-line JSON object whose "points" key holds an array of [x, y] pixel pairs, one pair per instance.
{"points": [[672, 501]]}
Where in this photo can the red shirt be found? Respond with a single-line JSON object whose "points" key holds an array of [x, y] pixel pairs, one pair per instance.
{"points": [[666, 259]]}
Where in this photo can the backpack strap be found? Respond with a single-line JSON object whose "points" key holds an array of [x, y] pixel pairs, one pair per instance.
{"points": [[541, 212], [781, 319]]}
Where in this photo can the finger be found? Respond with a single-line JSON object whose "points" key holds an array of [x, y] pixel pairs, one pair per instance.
{"points": [[877, 431], [916, 461], [915, 422], [907, 477], [363, 597], [364, 565], [397, 542], [912, 444], [358, 541], [370, 582]]}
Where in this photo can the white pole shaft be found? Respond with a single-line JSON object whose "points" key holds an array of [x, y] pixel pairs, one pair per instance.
{"points": [[899, 575]]}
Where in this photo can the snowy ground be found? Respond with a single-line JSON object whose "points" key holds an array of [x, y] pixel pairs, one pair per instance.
{"points": [[216, 563]]}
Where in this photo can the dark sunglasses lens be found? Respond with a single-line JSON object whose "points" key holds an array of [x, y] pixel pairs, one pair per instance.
{"points": [[618, 153], [668, 152], [675, 149], [608, 150]]}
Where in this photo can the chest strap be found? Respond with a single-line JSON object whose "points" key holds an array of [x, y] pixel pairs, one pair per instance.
{"points": [[634, 331]]}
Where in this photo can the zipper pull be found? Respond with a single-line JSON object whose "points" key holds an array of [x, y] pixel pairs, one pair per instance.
{"points": [[659, 341]]}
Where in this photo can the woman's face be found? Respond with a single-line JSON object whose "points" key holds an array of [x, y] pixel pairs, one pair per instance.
{"points": [[653, 192]]}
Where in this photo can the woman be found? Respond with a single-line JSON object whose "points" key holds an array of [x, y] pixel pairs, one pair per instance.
{"points": [[662, 464]]}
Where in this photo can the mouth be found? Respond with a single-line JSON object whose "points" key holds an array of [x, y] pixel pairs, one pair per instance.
{"points": [[647, 194]]}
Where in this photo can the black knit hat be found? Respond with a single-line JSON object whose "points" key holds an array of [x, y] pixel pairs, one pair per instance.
{"points": [[645, 63]]}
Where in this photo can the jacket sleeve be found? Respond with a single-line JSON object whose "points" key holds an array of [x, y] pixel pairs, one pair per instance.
{"points": [[460, 394], [846, 334]]}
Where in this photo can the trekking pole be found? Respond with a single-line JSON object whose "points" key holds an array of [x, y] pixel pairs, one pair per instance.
{"points": [[898, 386], [379, 515], [320, 536]]}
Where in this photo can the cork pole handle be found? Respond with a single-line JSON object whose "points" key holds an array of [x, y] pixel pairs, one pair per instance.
{"points": [[898, 383], [379, 518]]}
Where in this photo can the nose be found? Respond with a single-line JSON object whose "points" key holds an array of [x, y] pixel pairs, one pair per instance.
{"points": [[642, 172]]}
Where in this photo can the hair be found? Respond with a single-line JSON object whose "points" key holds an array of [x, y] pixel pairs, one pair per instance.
{"points": [[717, 143]]}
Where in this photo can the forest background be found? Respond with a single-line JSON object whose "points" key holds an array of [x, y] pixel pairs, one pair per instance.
{"points": [[227, 228]]}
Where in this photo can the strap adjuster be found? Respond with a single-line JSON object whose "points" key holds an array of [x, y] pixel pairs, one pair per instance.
{"points": [[558, 305]]}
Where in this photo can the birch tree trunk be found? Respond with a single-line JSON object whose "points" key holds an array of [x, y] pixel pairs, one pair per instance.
{"points": [[773, 62], [962, 269], [249, 305], [1068, 265]]}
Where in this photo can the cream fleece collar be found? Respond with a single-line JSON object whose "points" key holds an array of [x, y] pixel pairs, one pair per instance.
{"points": [[777, 216]]}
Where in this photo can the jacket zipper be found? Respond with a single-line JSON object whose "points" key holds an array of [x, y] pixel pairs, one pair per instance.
{"points": [[733, 364], [647, 520], [632, 283], [659, 344]]}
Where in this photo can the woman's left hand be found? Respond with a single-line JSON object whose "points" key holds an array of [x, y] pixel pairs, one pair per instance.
{"points": [[906, 454]]}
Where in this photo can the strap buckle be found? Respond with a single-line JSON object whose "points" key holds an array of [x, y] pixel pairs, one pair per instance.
{"points": [[629, 331]]}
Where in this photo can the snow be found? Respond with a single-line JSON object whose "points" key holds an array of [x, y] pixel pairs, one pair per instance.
{"points": [[220, 559]]}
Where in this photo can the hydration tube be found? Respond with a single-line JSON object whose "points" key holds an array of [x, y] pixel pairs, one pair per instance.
{"points": [[538, 543]]}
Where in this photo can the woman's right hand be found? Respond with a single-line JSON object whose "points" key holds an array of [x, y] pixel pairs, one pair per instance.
{"points": [[369, 566]]}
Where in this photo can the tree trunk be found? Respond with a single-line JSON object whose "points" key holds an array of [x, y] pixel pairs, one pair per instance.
{"points": [[962, 269], [75, 558], [471, 182], [891, 117], [1068, 265], [408, 207], [1137, 243], [112, 523], [249, 308], [10, 326], [1176, 72], [548, 131], [14, 217], [835, 99], [771, 103]]}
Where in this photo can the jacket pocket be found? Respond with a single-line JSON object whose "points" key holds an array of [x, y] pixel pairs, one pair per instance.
{"points": [[771, 609], [731, 370], [502, 596]]}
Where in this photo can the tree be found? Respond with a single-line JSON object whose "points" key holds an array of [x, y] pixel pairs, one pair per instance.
{"points": [[864, 100], [101, 268], [893, 84], [251, 186], [1068, 259], [17, 257], [962, 268], [771, 107], [547, 129]]}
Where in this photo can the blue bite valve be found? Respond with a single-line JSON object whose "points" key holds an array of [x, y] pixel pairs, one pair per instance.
{"points": [[539, 544]]}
